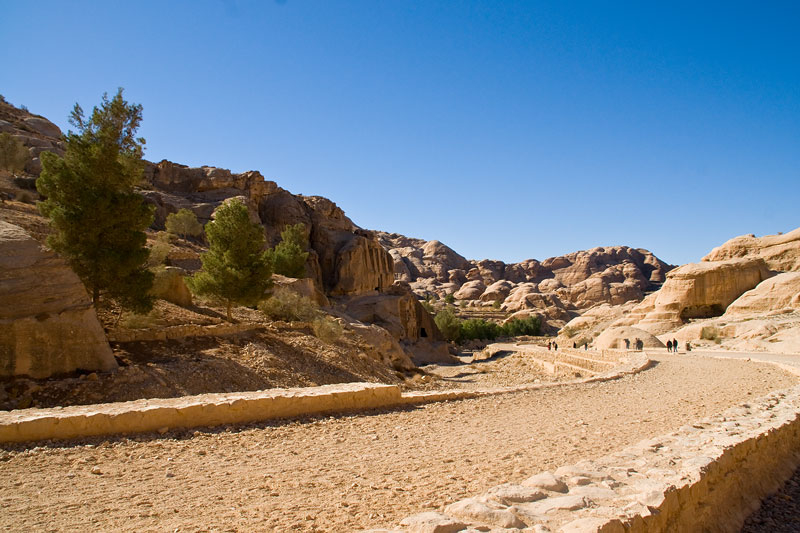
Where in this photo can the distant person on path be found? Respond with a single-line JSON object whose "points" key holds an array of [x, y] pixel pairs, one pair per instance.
{"points": [[585, 346], [639, 345], [555, 346], [688, 347], [549, 345], [675, 345], [627, 344], [574, 344], [669, 346]]}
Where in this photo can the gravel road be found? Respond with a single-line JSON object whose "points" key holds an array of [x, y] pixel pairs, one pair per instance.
{"points": [[350, 472]]}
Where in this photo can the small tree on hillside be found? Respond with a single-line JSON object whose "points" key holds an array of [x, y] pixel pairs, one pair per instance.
{"points": [[13, 154], [289, 256], [235, 267], [97, 217], [184, 223]]}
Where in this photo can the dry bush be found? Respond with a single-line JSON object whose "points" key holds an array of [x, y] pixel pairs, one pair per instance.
{"points": [[285, 304], [137, 321], [327, 329]]}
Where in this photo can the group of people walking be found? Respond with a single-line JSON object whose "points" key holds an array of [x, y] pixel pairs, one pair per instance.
{"points": [[672, 346]]}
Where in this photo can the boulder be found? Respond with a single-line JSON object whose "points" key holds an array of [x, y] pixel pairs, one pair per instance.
{"points": [[777, 293], [302, 286], [169, 285], [48, 325], [614, 338], [379, 344], [43, 126], [497, 292], [781, 252], [471, 290]]}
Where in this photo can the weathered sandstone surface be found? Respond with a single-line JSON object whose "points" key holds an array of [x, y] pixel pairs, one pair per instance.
{"points": [[744, 295], [781, 252], [48, 325], [697, 290], [781, 292]]}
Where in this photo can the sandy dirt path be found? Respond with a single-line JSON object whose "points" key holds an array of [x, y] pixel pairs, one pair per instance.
{"points": [[351, 472]]}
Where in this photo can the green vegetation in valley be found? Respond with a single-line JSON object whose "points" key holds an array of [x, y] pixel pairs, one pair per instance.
{"points": [[457, 330]]}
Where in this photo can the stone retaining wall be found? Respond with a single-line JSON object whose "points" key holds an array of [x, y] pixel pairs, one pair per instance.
{"points": [[708, 476], [178, 332], [232, 408]]}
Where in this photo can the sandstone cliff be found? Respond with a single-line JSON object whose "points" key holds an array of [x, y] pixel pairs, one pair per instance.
{"points": [[781, 252], [48, 326]]}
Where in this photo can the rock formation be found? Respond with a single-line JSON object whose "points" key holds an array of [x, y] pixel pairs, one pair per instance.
{"points": [[35, 132], [614, 338], [781, 252], [697, 290], [557, 288], [779, 293], [48, 325]]}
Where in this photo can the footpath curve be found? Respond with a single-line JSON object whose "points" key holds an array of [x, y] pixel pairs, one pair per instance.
{"points": [[347, 473], [710, 476]]}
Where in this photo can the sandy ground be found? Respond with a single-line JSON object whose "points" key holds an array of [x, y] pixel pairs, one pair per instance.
{"points": [[351, 472]]}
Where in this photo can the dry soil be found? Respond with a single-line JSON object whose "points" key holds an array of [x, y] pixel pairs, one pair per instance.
{"points": [[350, 472]]}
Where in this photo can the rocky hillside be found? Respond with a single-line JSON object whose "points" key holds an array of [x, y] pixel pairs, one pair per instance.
{"points": [[346, 263], [34, 131], [558, 288]]}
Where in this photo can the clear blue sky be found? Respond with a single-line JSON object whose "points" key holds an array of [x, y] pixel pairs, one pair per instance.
{"points": [[507, 130]]}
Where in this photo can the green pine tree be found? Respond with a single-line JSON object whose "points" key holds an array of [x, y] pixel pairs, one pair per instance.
{"points": [[98, 219], [235, 267], [289, 256]]}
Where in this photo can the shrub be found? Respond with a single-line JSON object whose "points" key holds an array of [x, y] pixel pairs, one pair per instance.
{"points": [[531, 325], [327, 329], [184, 223], [13, 154], [428, 306], [449, 324], [140, 321], [159, 250], [477, 328], [449, 298], [285, 304], [709, 333]]}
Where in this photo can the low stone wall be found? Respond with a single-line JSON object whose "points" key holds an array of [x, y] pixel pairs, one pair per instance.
{"points": [[178, 332], [708, 476], [191, 411], [233, 408]]}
